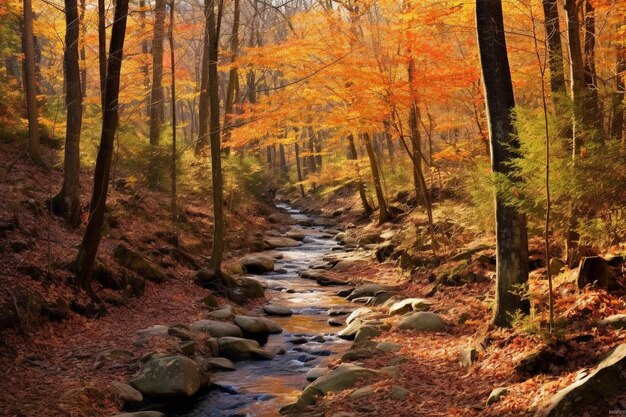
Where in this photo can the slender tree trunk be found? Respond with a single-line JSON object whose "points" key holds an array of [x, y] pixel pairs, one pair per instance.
{"points": [[233, 77], [83, 55], [383, 212], [173, 91], [511, 234], [214, 134], [416, 143], [28, 45], [67, 202], [102, 49], [156, 96], [91, 239], [592, 110], [203, 105], [317, 141], [145, 68], [617, 123], [284, 169], [577, 75], [367, 208], [299, 169]]}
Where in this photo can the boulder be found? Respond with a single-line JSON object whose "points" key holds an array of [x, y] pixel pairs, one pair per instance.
{"points": [[239, 349], [496, 395], [369, 239], [218, 364], [607, 379], [356, 355], [378, 299], [366, 290], [273, 242], [316, 373], [272, 325], [422, 321], [251, 287], [343, 377], [296, 234], [365, 334], [616, 321], [277, 310], [358, 314], [217, 328], [467, 357], [224, 313], [258, 264], [137, 263], [556, 266], [410, 304], [362, 392], [350, 331], [595, 270], [387, 347], [171, 376], [126, 393], [253, 328]]}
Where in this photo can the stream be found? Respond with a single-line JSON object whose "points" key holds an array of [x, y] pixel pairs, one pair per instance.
{"points": [[260, 388]]}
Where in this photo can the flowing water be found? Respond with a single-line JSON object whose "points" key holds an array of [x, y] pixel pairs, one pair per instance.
{"points": [[260, 388]]}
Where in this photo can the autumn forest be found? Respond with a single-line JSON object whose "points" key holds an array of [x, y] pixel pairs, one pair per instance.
{"points": [[312, 208]]}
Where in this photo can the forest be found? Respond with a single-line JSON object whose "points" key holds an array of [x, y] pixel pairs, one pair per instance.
{"points": [[312, 208]]}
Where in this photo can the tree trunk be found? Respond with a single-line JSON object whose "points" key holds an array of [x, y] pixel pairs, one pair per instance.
{"points": [[173, 91], [83, 55], [383, 212], [145, 68], [102, 49], [617, 123], [91, 239], [203, 104], [214, 134], [299, 169], [284, 169], [416, 143], [367, 208], [156, 95], [511, 234], [67, 202], [28, 45], [233, 79], [591, 106]]}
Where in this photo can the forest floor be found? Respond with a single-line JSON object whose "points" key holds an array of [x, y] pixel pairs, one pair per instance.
{"points": [[49, 363]]}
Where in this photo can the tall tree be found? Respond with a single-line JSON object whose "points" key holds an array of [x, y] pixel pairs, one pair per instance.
{"points": [[173, 91], [156, 95], [91, 239], [30, 83], [213, 22], [617, 122], [67, 202], [383, 211], [299, 169], [511, 234], [352, 154], [203, 104], [233, 77], [102, 49]]}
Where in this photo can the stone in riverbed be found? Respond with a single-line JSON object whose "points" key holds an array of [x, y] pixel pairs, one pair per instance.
{"points": [[171, 376], [358, 313], [316, 373], [277, 310], [224, 313], [273, 242], [410, 304], [258, 264], [422, 321], [219, 364], [343, 377], [127, 393], [387, 347], [217, 328], [239, 349], [253, 328], [366, 290]]}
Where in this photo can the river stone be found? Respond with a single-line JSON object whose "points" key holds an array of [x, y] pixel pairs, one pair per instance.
{"points": [[239, 349], [467, 357], [137, 263], [388, 347], [258, 264], [350, 331], [142, 414], [273, 242], [400, 393], [217, 328], [127, 393], [156, 330], [334, 323], [317, 372], [343, 377], [358, 313], [271, 325], [496, 395], [423, 321], [410, 304], [251, 287], [172, 376], [180, 333], [365, 334], [296, 234], [366, 290], [607, 379], [362, 392], [277, 310], [253, 328], [356, 355], [224, 313], [220, 364], [617, 321]]}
